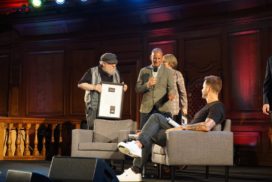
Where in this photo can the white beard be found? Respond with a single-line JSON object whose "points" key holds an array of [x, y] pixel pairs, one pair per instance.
{"points": [[110, 72]]}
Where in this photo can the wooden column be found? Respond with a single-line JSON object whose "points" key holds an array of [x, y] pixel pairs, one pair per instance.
{"points": [[36, 151], [27, 152], [60, 139], [9, 139], [2, 140], [44, 146], [18, 151]]}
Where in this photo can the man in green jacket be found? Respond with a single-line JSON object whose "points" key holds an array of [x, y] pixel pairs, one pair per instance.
{"points": [[156, 84]]}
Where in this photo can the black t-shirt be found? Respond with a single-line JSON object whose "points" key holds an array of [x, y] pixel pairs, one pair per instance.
{"points": [[214, 110], [87, 77]]}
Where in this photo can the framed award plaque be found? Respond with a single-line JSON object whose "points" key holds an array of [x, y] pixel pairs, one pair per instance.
{"points": [[111, 101]]}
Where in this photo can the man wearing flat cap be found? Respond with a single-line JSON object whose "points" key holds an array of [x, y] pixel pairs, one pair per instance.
{"points": [[91, 83]]}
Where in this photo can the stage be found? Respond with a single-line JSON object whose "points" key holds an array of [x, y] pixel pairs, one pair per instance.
{"points": [[190, 174]]}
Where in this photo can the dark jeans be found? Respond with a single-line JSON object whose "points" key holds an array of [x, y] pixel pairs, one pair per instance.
{"points": [[145, 116], [152, 132], [178, 118], [90, 117]]}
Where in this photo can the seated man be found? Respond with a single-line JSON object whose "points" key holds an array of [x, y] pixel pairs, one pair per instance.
{"points": [[204, 120]]}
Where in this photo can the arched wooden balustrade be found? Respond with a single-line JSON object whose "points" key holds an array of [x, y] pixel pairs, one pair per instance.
{"points": [[19, 137]]}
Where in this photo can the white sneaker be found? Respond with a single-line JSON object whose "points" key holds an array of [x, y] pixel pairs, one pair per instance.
{"points": [[130, 148], [129, 175]]}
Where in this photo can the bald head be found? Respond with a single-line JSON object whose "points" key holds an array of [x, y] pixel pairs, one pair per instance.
{"points": [[156, 57]]}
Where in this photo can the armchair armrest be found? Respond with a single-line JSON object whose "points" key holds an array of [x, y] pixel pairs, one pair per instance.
{"points": [[123, 135], [199, 148], [80, 135]]}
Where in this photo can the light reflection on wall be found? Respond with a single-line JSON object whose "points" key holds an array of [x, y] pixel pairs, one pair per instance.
{"points": [[244, 57], [160, 15], [162, 32], [168, 46]]}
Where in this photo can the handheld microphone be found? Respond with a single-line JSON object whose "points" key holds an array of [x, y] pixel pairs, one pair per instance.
{"points": [[155, 71]]}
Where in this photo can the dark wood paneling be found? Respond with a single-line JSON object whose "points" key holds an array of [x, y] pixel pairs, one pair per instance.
{"points": [[245, 96], [129, 75], [81, 61], [245, 67], [202, 57], [44, 83], [167, 46], [4, 83]]}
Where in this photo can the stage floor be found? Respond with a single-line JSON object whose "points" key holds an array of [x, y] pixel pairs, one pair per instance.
{"points": [[190, 174]]}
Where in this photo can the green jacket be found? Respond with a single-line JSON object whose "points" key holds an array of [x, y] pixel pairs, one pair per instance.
{"points": [[158, 95]]}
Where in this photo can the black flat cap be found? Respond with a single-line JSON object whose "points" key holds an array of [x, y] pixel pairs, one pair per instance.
{"points": [[109, 58]]}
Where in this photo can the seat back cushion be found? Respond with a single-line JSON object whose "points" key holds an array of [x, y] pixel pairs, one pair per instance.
{"points": [[108, 130]]}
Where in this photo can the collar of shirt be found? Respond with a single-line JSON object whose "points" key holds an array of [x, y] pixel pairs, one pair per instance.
{"points": [[151, 67]]}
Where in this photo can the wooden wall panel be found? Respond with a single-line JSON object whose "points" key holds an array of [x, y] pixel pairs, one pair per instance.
{"points": [[127, 68], [44, 83], [16, 106], [202, 57], [4, 83], [81, 61], [245, 68], [167, 46]]}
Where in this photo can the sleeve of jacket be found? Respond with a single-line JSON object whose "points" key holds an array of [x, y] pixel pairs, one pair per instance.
{"points": [[141, 84], [182, 90], [170, 82], [267, 85]]}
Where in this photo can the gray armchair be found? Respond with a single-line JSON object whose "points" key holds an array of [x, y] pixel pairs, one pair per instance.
{"points": [[213, 148], [102, 141]]}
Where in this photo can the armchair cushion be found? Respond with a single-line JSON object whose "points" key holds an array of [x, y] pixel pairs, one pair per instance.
{"points": [[102, 141], [108, 130], [199, 148]]}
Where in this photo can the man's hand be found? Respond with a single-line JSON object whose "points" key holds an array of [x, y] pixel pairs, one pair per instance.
{"points": [[125, 86], [175, 129], [171, 96], [98, 88], [184, 111], [266, 109], [138, 132], [151, 82]]}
